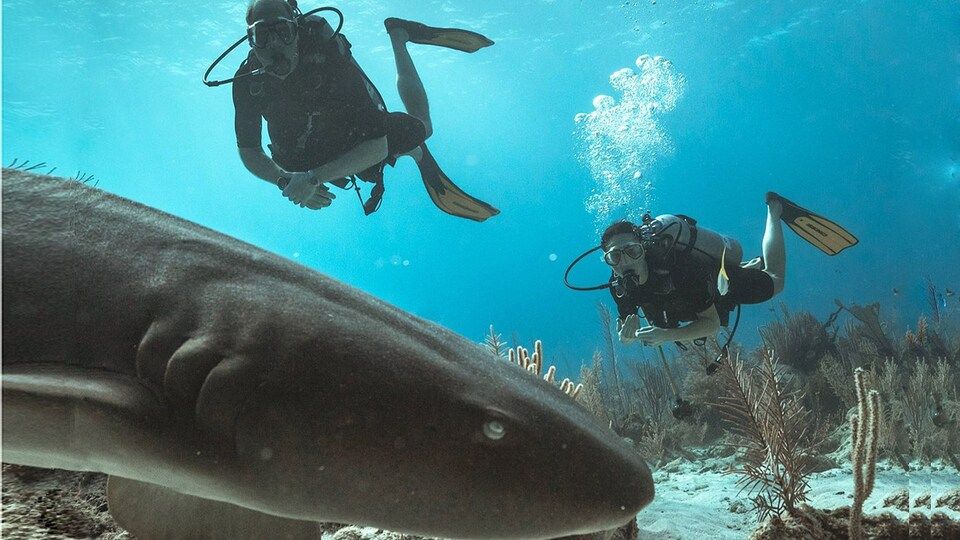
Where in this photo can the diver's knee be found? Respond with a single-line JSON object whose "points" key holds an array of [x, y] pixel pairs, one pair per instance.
{"points": [[778, 283]]}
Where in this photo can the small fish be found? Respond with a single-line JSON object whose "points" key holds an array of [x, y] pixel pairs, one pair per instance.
{"points": [[950, 293], [896, 292], [723, 280]]}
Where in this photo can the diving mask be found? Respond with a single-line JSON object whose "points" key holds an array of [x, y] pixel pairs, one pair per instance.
{"points": [[262, 33], [615, 255]]}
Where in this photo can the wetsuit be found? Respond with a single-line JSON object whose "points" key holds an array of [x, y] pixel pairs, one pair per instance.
{"points": [[689, 287], [322, 110]]}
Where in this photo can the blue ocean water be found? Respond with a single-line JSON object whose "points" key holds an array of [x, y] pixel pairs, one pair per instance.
{"points": [[851, 108]]}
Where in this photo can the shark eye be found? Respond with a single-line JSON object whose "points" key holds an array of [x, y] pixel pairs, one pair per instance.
{"points": [[494, 430]]}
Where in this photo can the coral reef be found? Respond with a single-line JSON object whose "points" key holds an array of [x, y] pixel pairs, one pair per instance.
{"points": [[26, 166], [49, 503], [864, 428], [606, 329], [771, 425], [495, 344], [591, 395], [534, 365], [800, 340], [813, 523]]}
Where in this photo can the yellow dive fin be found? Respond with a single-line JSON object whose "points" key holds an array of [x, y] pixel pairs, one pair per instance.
{"points": [[451, 38], [447, 196], [824, 234]]}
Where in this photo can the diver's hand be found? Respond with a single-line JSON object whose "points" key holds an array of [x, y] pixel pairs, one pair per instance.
{"points": [[627, 329], [653, 336], [306, 190]]}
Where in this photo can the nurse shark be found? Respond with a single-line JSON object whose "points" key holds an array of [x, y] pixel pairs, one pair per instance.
{"points": [[229, 392]]}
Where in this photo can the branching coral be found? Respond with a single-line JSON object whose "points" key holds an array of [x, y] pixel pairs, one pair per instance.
{"points": [[916, 340], [773, 425], [26, 166], [591, 395], [865, 427], [800, 340], [534, 365], [495, 344], [920, 410], [870, 334], [835, 374], [653, 390], [606, 328]]}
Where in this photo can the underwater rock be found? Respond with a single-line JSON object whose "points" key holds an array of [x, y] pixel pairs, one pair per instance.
{"points": [[900, 500], [816, 524], [50, 503], [198, 366], [819, 464], [737, 507], [950, 500]]}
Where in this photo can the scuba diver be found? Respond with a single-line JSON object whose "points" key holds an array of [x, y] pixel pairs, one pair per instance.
{"points": [[327, 122], [686, 280]]}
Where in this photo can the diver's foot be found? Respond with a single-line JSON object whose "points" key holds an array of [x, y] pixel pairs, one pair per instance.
{"points": [[753, 264], [451, 38], [774, 206]]}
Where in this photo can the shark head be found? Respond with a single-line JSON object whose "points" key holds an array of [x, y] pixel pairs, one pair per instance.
{"points": [[433, 435]]}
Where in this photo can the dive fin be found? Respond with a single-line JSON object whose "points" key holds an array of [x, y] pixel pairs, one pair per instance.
{"points": [[152, 512], [756, 263], [447, 196], [825, 235], [451, 38]]}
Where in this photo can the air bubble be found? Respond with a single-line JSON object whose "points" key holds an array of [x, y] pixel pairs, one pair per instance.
{"points": [[621, 139]]}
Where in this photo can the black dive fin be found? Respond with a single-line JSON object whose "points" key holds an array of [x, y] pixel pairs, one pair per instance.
{"points": [[825, 235], [451, 38], [447, 196], [152, 512]]}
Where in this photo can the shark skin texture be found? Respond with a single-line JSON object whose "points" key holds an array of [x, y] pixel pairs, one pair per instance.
{"points": [[191, 366]]}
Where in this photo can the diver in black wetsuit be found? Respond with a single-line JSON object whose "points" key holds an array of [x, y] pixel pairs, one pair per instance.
{"points": [[672, 285], [686, 279], [326, 120]]}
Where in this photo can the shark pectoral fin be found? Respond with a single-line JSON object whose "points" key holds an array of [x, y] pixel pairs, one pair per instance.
{"points": [[149, 511], [69, 417]]}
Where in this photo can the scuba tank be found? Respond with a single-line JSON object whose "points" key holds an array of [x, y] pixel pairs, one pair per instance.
{"points": [[674, 235]]}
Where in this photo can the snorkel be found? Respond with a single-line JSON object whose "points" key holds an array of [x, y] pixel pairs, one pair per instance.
{"points": [[249, 37]]}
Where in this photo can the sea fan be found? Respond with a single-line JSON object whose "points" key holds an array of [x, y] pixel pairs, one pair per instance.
{"points": [[773, 426]]}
